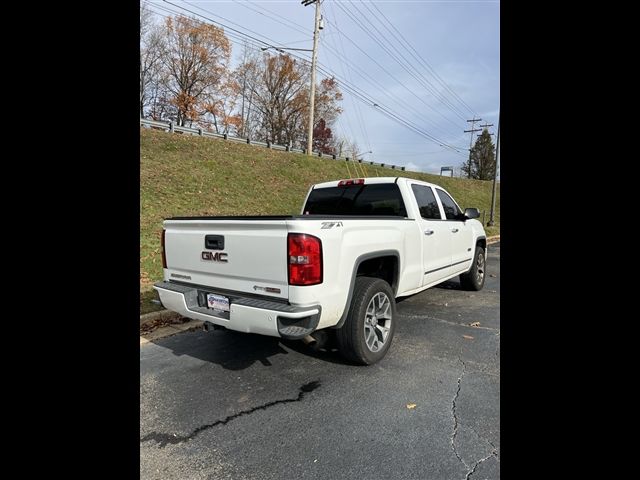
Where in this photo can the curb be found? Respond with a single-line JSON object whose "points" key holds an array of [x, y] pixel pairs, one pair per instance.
{"points": [[169, 330], [160, 315], [494, 239]]}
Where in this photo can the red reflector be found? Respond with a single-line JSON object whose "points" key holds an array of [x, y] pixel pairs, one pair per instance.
{"points": [[304, 253], [164, 255], [354, 181]]}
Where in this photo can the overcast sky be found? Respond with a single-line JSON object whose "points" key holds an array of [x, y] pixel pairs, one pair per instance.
{"points": [[459, 40]]}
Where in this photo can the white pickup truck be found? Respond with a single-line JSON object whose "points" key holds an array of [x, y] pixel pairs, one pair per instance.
{"points": [[357, 246]]}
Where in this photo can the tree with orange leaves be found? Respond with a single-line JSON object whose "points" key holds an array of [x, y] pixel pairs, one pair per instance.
{"points": [[196, 59]]}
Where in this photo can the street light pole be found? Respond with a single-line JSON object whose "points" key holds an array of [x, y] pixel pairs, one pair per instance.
{"points": [[312, 94], [495, 176]]}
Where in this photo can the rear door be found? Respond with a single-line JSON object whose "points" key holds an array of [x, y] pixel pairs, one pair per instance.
{"points": [[247, 256], [460, 234], [436, 247]]}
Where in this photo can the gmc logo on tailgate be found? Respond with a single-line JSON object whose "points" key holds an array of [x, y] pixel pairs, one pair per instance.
{"points": [[214, 257]]}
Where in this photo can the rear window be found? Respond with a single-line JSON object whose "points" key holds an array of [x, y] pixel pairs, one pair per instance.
{"points": [[375, 199]]}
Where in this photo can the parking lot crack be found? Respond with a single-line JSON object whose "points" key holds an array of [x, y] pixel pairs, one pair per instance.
{"points": [[477, 464], [494, 449], [455, 417], [163, 439]]}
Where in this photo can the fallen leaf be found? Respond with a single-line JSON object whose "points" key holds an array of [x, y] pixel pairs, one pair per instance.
{"points": [[475, 324], [492, 275], [411, 406], [468, 337]]}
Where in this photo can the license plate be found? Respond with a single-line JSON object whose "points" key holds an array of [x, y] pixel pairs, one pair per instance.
{"points": [[217, 302]]}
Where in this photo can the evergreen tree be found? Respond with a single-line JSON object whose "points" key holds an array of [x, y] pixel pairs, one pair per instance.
{"points": [[482, 163]]}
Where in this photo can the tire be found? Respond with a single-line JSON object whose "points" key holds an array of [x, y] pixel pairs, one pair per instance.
{"points": [[368, 315], [474, 278]]}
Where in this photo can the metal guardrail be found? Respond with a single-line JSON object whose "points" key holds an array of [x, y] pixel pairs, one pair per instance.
{"points": [[173, 128]]}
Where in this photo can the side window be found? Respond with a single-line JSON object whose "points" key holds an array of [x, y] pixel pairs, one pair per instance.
{"points": [[426, 202], [451, 210]]}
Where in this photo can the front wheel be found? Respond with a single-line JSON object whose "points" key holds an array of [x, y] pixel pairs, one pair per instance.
{"points": [[368, 330], [474, 278]]}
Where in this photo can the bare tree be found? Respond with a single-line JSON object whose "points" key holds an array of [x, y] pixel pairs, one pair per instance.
{"points": [[279, 96], [151, 54], [247, 76]]}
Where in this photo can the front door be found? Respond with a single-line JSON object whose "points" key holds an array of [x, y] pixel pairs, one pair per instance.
{"points": [[460, 234]]}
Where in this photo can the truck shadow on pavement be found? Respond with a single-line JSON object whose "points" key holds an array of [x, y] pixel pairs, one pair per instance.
{"points": [[450, 285], [238, 351]]}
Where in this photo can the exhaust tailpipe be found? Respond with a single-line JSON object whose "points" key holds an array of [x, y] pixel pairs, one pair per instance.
{"points": [[308, 340]]}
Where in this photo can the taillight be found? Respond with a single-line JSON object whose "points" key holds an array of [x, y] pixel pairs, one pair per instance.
{"points": [[305, 259], [164, 255], [354, 181]]}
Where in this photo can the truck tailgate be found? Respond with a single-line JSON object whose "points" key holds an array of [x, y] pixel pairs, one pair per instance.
{"points": [[247, 256]]}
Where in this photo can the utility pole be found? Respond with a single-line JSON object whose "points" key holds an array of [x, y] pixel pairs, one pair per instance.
{"points": [[495, 177], [472, 131], [312, 94]]}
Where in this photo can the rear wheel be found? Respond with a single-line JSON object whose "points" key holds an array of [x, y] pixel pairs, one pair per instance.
{"points": [[474, 278], [368, 330]]}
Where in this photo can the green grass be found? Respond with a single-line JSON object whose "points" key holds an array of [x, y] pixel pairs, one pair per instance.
{"points": [[189, 175], [146, 306]]}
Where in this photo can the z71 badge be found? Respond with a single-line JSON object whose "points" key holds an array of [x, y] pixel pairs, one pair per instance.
{"points": [[331, 224]]}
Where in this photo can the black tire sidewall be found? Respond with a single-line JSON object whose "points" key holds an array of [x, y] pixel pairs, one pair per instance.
{"points": [[356, 347], [472, 275]]}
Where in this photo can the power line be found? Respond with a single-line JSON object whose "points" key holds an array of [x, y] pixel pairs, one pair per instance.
{"points": [[383, 90], [367, 100], [430, 87], [391, 54], [424, 62], [292, 24], [346, 69], [267, 13], [226, 20], [235, 36], [356, 107], [395, 79]]}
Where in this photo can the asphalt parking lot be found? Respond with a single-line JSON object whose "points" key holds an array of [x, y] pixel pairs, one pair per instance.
{"points": [[220, 404]]}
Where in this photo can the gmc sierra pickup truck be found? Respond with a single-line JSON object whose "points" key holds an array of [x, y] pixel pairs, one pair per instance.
{"points": [[357, 246]]}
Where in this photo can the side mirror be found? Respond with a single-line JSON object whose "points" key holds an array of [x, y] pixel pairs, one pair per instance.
{"points": [[471, 213]]}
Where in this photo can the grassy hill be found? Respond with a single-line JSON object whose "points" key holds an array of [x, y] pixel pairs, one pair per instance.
{"points": [[190, 175]]}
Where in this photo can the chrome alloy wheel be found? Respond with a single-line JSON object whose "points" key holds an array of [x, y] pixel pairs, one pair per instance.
{"points": [[377, 322], [480, 269]]}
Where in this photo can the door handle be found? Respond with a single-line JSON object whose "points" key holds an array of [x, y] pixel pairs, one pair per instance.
{"points": [[428, 232], [454, 230], [214, 242]]}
